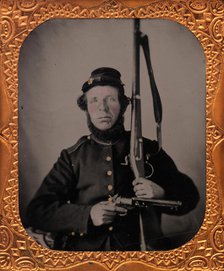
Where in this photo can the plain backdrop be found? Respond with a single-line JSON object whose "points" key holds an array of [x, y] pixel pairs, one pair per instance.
{"points": [[58, 57]]}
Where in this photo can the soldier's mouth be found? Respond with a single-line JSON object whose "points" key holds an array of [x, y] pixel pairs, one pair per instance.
{"points": [[104, 118]]}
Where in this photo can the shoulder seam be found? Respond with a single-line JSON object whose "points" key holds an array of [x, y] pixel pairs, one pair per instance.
{"points": [[81, 141]]}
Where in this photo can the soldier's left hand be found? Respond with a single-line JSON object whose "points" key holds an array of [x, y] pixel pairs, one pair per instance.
{"points": [[147, 189]]}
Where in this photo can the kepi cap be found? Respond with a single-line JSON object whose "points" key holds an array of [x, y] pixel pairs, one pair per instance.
{"points": [[104, 76]]}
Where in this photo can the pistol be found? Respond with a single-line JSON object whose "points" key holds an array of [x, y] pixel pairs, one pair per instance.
{"points": [[130, 203]]}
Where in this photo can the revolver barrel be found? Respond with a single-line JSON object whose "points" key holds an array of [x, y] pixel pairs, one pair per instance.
{"points": [[144, 203]]}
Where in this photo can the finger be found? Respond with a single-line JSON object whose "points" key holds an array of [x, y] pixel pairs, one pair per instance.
{"points": [[109, 213], [115, 197], [140, 193], [104, 202], [109, 207], [138, 181], [109, 217], [135, 182], [121, 210], [122, 214], [138, 187], [107, 220]]}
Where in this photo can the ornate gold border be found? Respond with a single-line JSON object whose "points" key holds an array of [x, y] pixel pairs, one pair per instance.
{"points": [[18, 251]]}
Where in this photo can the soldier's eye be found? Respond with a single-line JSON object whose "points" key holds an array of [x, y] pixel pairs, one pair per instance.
{"points": [[93, 100], [112, 99]]}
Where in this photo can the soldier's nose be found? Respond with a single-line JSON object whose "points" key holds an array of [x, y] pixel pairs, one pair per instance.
{"points": [[103, 106]]}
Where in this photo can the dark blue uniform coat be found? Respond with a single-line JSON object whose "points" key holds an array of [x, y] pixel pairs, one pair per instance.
{"points": [[90, 172]]}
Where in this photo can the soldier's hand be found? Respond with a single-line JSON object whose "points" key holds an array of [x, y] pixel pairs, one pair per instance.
{"points": [[147, 189], [104, 212]]}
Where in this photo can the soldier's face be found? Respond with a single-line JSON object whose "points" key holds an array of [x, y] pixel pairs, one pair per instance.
{"points": [[103, 106]]}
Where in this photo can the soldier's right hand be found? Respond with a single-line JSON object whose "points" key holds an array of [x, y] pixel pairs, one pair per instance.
{"points": [[104, 212]]}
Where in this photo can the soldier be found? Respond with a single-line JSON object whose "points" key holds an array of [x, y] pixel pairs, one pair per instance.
{"points": [[76, 201]]}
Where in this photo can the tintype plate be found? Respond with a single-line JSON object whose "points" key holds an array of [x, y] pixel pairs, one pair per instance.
{"points": [[18, 250]]}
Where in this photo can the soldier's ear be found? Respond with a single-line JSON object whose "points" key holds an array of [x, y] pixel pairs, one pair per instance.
{"points": [[125, 102], [82, 102]]}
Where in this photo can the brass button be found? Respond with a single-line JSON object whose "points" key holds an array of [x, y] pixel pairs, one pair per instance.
{"points": [[88, 137], [81, 234], [109, 187], [108, 158], [109, 173], [73, 233], [110, 228]]}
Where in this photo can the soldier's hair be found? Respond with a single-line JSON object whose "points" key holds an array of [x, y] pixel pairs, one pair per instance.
{"points": [[123, 99]]}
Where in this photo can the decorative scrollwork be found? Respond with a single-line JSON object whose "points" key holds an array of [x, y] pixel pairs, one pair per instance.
{"points": [[216, 8], [216, 29], [5, 260], [7, 7], [27, 5], [25, 263], [197, 6], [217, 261], [197, 263], [6, 238], [217, 238], [7, 28]]}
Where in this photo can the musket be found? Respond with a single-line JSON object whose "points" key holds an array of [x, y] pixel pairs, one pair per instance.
{"points": [[136, 142]]}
